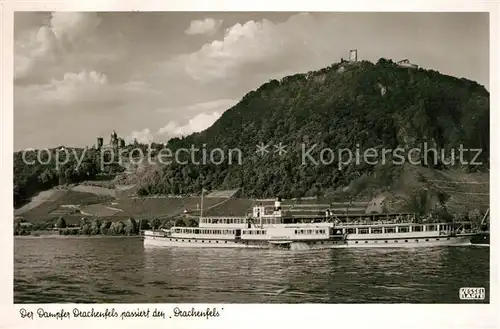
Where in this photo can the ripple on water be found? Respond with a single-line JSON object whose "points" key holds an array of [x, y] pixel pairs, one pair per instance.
{"points": [[122, 271]]}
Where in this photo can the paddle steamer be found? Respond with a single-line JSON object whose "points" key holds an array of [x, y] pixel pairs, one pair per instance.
{"points": [[266, 230]]}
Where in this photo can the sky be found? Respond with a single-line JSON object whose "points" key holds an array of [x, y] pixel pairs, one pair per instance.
{"points": [[152, 76]]}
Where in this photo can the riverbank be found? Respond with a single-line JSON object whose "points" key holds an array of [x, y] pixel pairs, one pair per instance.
{"points": [[57, 236], [86, 227]]}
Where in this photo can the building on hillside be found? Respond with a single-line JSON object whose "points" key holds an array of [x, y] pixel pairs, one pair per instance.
{"points": [[115, 142], [353, 55], [100, 143], [406, 63]]}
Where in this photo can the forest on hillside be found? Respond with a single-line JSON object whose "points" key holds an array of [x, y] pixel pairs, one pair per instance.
{"points": [[347, 105]]}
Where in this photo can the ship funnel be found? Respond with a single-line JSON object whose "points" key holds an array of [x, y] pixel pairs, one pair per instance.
{"points": [[277, 204]]}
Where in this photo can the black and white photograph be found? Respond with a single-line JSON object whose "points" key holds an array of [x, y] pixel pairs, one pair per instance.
{"points": [[250, 157]]}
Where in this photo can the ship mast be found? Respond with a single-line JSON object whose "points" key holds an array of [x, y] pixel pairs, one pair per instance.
{"points": [[201, 210], [485, 216]]}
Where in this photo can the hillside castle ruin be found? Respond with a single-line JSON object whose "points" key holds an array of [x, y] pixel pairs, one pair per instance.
{"points": [[115, 142]]}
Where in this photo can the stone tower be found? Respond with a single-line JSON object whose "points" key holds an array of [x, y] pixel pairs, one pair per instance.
{"points": [[113, 143], [121, 143], [100, 142], [353, 55]]}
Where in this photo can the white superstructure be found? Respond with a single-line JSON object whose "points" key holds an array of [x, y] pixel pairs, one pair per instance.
{"points": [[264, 229]]}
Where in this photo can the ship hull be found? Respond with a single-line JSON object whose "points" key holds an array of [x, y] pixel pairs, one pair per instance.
{"points": [[166, 242], [198, 243], [407, 242], [482, 238]]}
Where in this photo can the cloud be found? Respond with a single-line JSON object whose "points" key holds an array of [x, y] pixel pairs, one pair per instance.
{"points": [[72, 28], [219, 105], [172, 129], [250, 42], [85, 88], [205, 114], [66, 32], [207, 26], [145, 65], [199, 123], [143, 136], [259, 46], [75, 87]]}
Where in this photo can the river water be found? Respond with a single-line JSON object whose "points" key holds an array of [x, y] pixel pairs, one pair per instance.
{"points": [[121, 270]]}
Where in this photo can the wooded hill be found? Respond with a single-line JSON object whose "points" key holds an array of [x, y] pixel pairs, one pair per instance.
{"points": [[353, 106]]}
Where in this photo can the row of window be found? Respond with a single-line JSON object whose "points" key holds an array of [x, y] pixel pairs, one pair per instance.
{"points": [[202, 241], [270, 220], [397, 241], [401, 229], [373, 241], [380, 241], [319, 242], [223, 220], [379, 218], [202, 231], [254, 232], [237, 220], [310, 231]]}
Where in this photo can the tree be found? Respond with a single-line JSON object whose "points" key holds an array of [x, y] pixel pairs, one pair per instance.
{"points": [[17, 227], [83, 221], [191, 222], [32, 176], [95, 227], [168, 224], [474, 214], [326, 108], [144, 224], [155, 223], [179, 222], [104, 227], [61, 223], [116, 228], [85, 229], [131, 227]]}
